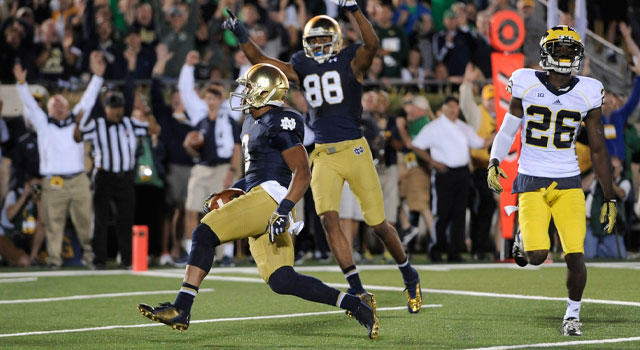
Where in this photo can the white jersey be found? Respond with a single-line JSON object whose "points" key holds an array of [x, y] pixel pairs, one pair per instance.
{"points": [[551, 121]]}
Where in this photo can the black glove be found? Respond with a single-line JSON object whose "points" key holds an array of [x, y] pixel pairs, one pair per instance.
{"points": [[279, 220], [236, 27]]}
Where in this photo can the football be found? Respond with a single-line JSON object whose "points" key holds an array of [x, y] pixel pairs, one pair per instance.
{"points": [[224, 197]]}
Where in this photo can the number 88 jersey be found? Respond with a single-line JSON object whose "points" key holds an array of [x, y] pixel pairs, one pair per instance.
{"points": [[551, 121], [333, 95]]}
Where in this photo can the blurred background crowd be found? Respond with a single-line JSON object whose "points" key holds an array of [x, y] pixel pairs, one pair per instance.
{"points": [[164, 70]]}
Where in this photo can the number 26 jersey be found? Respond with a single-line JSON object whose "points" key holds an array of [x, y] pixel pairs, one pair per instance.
{"points": [[333, 95], [551, 121]]}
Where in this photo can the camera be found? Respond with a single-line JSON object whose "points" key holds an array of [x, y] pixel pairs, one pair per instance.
{"points": [[36, 188]]}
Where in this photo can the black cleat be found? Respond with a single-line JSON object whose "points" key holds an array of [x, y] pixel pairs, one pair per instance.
{"points": [[367, 317], [167, 314], [367, 298], [518, 250]]}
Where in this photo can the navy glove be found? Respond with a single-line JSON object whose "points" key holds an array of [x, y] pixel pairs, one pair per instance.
{"points": [[236, 27], [279, 220]]}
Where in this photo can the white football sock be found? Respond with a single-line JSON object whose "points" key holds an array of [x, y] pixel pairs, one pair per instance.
{"points": [[573, 309]]}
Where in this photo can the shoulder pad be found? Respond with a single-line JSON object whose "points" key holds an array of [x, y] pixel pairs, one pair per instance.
{"points": [[521, 79], [592, 89]]}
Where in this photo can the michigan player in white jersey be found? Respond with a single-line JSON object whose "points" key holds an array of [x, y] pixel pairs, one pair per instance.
{"points": [[551, 106]]}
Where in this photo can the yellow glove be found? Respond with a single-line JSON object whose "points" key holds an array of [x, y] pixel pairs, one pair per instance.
{"points": [[608, 215], [492, 177]]}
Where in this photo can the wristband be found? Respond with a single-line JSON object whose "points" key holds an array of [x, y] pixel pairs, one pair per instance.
{"points": [[352, 8], [285, 207]]}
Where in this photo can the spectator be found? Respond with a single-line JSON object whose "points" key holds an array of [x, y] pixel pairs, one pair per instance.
{"points": [[414, 70], [98, 35], [22, 223], [113, 134], [425, 45], [57, 58], [448, 139], [482, 118], [415, 185], [175, 125], [145, 55], [534, 26], [150, 176], [453, 46], [16, 46], [176, 26], [597, 242], [410, 14], [614, 118], [144, 24], [66, 189], [215, 144], [393, 41]]}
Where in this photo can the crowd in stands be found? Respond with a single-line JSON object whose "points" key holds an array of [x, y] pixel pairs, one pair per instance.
{"points": [[153, 133]]}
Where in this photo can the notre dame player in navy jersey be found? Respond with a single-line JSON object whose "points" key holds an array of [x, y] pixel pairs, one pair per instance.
{"points": [[277, 176], [331, 77]]}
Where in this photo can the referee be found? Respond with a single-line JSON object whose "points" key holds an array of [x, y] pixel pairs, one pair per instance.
{"points": [[114, 137]]}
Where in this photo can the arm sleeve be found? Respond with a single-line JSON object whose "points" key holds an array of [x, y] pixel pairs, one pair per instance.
{"points": [[504, 138], [468, 106], [196, 108], [626, 187], [89, 97], [423, 139], [32, 111]]}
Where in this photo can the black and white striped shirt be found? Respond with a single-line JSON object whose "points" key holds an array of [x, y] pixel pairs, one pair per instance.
{"points": [[114, 144]]}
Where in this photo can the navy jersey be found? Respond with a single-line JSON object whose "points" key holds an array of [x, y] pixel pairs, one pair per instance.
{"points": [[263, 141], [333, 94]]}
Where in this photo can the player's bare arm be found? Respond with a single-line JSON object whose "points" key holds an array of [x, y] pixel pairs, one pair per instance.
{"points": [[297, 160], [365, 54], [251, 50], [599, 155]]}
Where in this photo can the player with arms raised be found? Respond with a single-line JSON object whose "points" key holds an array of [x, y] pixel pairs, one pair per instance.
{"points": [[331, 77], [277, 176], [551, 106]]}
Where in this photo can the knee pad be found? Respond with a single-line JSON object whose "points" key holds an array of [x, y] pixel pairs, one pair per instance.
{"points": [[283, 280], [203, 244]]}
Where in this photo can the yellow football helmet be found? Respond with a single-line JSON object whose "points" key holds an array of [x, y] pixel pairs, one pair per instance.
{"points": [[561, 50], [322, 25], [265, 84]]}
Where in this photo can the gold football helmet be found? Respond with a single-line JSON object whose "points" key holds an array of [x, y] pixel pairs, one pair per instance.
{"points": [[322, 25], [561, 50], [265, 84]]}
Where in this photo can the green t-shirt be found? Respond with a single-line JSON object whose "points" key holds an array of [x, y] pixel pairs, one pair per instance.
{"points": [[417, 125]]}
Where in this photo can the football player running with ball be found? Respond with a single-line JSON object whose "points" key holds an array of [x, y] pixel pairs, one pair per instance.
{"points": [[277, 176], [550, 106], [331, 76]]}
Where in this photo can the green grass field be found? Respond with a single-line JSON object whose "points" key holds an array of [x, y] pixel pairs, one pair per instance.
{"points": [[236, 310]]}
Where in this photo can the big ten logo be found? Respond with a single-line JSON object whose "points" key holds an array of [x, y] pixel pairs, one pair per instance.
{"points": [[358, 150]]}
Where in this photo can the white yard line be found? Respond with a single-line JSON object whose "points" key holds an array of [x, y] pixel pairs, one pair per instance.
{"points": [[18, 279], [327, 268], [400, 289], [213, 320], [95, 296], [565, 343]]}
